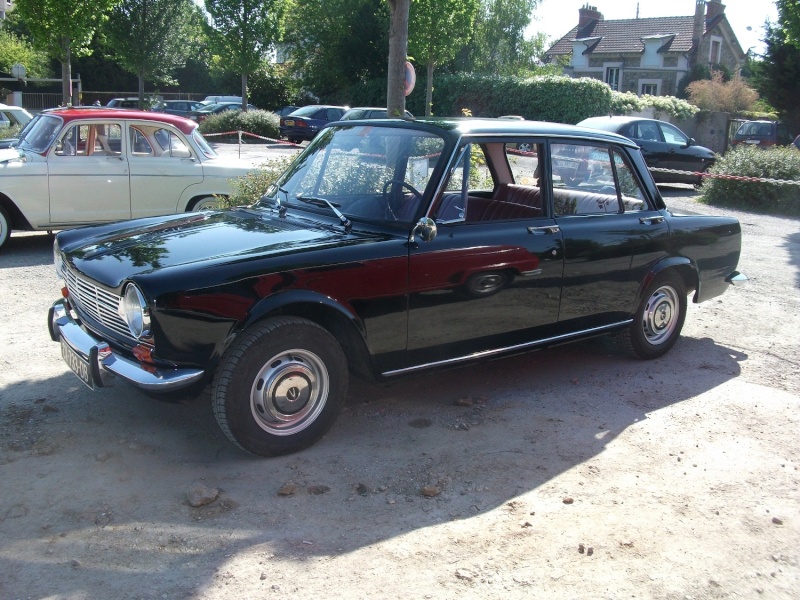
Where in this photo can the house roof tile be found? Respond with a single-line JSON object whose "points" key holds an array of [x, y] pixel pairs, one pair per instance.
{"points": [[625, 35]]}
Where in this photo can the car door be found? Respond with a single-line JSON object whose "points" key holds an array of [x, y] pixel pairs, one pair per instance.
{"points": [[89, 183], [163, 165], [491, 278], [681, 156], [647, 135], [612, 234]]}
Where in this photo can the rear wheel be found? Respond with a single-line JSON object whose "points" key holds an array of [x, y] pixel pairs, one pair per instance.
{"points": [[658, 320], [5, 227], [280, 388]]}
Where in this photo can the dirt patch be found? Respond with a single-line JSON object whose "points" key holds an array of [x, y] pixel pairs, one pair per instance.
{"points": [[571, 473]]}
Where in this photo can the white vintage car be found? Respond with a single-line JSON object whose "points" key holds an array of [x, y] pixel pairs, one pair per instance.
{"points": [[78, 166]]}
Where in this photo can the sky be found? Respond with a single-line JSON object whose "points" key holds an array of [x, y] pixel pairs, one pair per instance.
{"points": [[747, 17]]}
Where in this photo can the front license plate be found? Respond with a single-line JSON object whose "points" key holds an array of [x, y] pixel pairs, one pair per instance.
{"points": [[78, 364], [289, 123]]}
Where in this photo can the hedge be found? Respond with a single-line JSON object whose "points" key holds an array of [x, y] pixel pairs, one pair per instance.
{"points": [[261, 122], [774, 163], [547, 98]]}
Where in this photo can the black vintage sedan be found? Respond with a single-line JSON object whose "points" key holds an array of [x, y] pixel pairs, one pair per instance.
{"points": [[664, 147], [388, 247]]}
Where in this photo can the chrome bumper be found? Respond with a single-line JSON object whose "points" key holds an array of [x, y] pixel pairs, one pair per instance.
{"points": [[104, 364]]}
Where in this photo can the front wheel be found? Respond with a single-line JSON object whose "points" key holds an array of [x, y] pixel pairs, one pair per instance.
{"points": [[659, 319], [280, 388]]}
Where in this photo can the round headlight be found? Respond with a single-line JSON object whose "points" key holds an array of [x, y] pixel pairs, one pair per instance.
{"points": [[135, 311]]}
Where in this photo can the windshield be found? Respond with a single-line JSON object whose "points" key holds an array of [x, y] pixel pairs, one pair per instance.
{"points": [[306, 111], [40, 134], [368, 173]]}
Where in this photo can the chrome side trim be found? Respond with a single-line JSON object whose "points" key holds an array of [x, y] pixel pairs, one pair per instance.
{"points": [[109, 363], [496, 351]]}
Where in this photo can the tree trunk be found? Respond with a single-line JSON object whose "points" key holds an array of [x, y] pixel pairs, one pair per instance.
{"points": [[141, 89], [244, 92], [429, 90], [66, 73], [398, 50]]}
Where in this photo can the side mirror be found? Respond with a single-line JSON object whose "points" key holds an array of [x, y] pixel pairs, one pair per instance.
{"points": [[425, 229], [691, 142]]}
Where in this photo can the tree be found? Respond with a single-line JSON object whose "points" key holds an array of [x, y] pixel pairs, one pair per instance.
{"points": [[777, 76], [398, 50], [14, 49], [437, 30], [789, 18], [149, 38], [244, 32], [499, 46], [63, 29], [338, 43]]}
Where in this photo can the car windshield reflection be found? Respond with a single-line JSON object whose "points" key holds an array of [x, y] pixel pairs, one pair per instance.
{"points": [[370, 173]]}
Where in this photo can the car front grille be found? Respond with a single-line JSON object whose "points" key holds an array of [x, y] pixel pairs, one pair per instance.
{"points": [[95, 303]]}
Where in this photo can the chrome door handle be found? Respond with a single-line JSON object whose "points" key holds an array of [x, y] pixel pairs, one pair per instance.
{"points": [[546, 230], [651, 220]]}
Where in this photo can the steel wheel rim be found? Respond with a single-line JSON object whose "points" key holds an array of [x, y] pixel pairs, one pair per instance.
{"points": [[207, 204], [289, 392], [660, 317]]}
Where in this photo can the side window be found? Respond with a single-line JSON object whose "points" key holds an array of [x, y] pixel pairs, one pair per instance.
{"points": [[673, 135], [583, 180], [170, 145], [71, 141], [631, 193], [648, 131], [140, 146], [523, 160]]}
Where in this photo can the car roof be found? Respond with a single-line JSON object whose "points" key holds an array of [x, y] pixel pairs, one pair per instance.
{"points": [[88, 112], [457, 126]]}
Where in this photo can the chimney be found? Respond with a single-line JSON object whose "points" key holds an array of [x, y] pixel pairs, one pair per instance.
{"points": [[588, 15], [699, 27], [714, 8]]}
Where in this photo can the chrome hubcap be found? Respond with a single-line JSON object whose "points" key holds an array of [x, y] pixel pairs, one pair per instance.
{"points": [[289, 392], [660, 315]]}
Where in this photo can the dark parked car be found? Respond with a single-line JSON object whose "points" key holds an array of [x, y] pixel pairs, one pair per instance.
{"points": [[663, 145], [305, 123], [182, 108], [369, 112], [762, 134], [387, 248]]}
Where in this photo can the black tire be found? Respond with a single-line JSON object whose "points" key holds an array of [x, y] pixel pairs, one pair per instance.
{"points": [[659, 319], [483, 285], [280, 387], [5, 227]]}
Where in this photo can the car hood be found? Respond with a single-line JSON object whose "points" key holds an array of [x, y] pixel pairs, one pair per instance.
{"points": [[224, 245]]}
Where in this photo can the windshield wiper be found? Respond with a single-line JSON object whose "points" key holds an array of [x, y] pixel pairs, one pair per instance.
{"points": [[323, 202]]}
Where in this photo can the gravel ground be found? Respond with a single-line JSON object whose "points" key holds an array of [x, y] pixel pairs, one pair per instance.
{"points": [[570, 473]]}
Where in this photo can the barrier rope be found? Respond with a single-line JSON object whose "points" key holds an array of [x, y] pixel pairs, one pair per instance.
{"points": [[723, 176]]}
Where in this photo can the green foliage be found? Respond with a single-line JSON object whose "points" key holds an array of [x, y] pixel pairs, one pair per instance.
{"points": [[245, 30], [777, 76], [248, 190], [149, 37], [272, 86], [437, 29], [623, 103], [789, 19], [774, 163], [547, 98], [498, 46], [14, 49], [338, 43], [259, 122]]}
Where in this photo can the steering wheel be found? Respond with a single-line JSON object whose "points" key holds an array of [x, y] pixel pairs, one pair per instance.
{"points": [[387, 199]]}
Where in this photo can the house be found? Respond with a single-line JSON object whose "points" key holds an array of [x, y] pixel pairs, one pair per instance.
{"points": [[648, 56]]}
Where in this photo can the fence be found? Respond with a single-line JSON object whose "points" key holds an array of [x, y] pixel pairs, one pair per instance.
{"points": [[37, 101]]}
